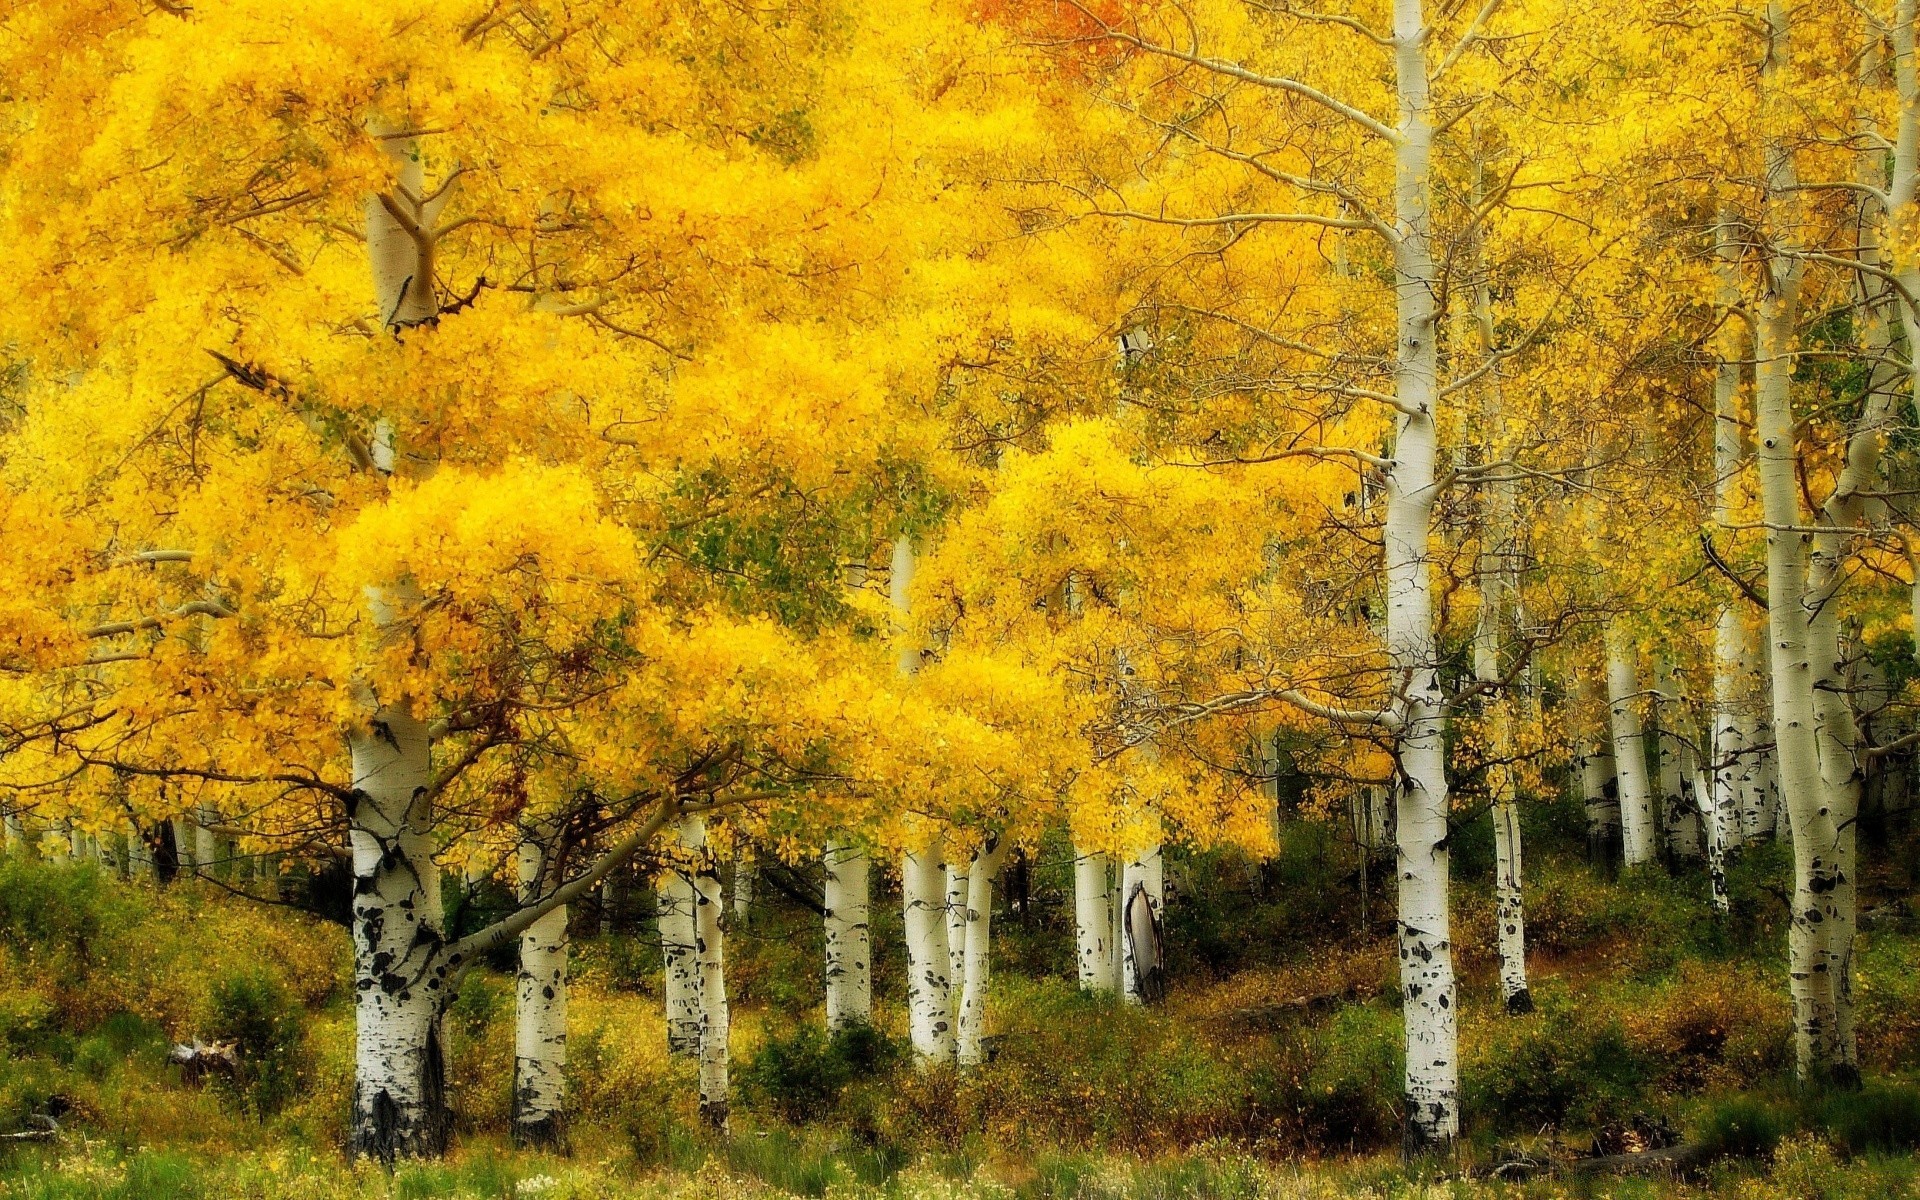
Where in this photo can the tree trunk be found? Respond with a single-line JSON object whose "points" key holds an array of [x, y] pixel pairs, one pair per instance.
{"points": [[849, 951], [1638, 826], [956, 938], [929, 1002], [743, 873], [716, 1023], [1795, 716], [1679, 818], [1599, 781], [1093, 920], [1432, 1102], [679, 945], [400, 986], [970, 1039], [540, 1025]]}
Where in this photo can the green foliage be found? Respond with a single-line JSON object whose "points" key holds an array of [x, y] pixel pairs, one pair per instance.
{"points": [[801, 1076], [57, 916], [1569, 1063], [1742, 1126], [253, 1011], [1351, 1094], [1882, 1117]]}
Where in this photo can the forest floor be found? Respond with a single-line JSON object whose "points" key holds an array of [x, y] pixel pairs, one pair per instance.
{"points": [[1271, 1071]]}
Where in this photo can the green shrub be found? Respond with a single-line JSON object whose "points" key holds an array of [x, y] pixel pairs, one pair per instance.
{"points": [[1350, 1096], [254, 1011], [1880, 1117], [802, 1075], [1742, 1126], [1568, 1064]]}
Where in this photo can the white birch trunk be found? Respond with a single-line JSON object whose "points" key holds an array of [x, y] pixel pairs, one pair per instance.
{"points": [[956, 937], [971, 1031], [1432, 1101], [849, 949], [1732, 760], [1679, 818], [716, 1023], [929, 980], [680, 945], [1093, 920], [1796, 721], [1599, 782], [540, 1013], [1499, 592], [1638, 825], [399, 1102], [743, 879]]}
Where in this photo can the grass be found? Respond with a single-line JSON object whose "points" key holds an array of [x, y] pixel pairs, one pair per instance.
{"points": [[1647, 1007]]}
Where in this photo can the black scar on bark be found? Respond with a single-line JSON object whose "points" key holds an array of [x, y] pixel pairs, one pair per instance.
{"points": [[1520, 1003]]}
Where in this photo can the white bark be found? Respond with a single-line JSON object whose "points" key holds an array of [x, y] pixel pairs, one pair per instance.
{"points": [[1432, 1102], [399, 1099], [1679, 817], [679, 944], [540, 1011], [716, 1024], [1713, 820], [1499, 592], [1145, 872], [971, 1029], [956, 937], [1733, 762], [849, 948], [1638, 825], [929, 999], [1093, 920], [743, 877]]}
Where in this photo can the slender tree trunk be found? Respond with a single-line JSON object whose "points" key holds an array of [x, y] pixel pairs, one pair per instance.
{"points": [[970, 1040], [1731, 757], [1638, 826], [743, 876], [1499, 592], [1427, 987], [929, 1002], [849, 950], [680, 945], [956, 937], [1679, 817], [1093, 920], [716, 1024], [1599, 780], [540, 1025]]}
